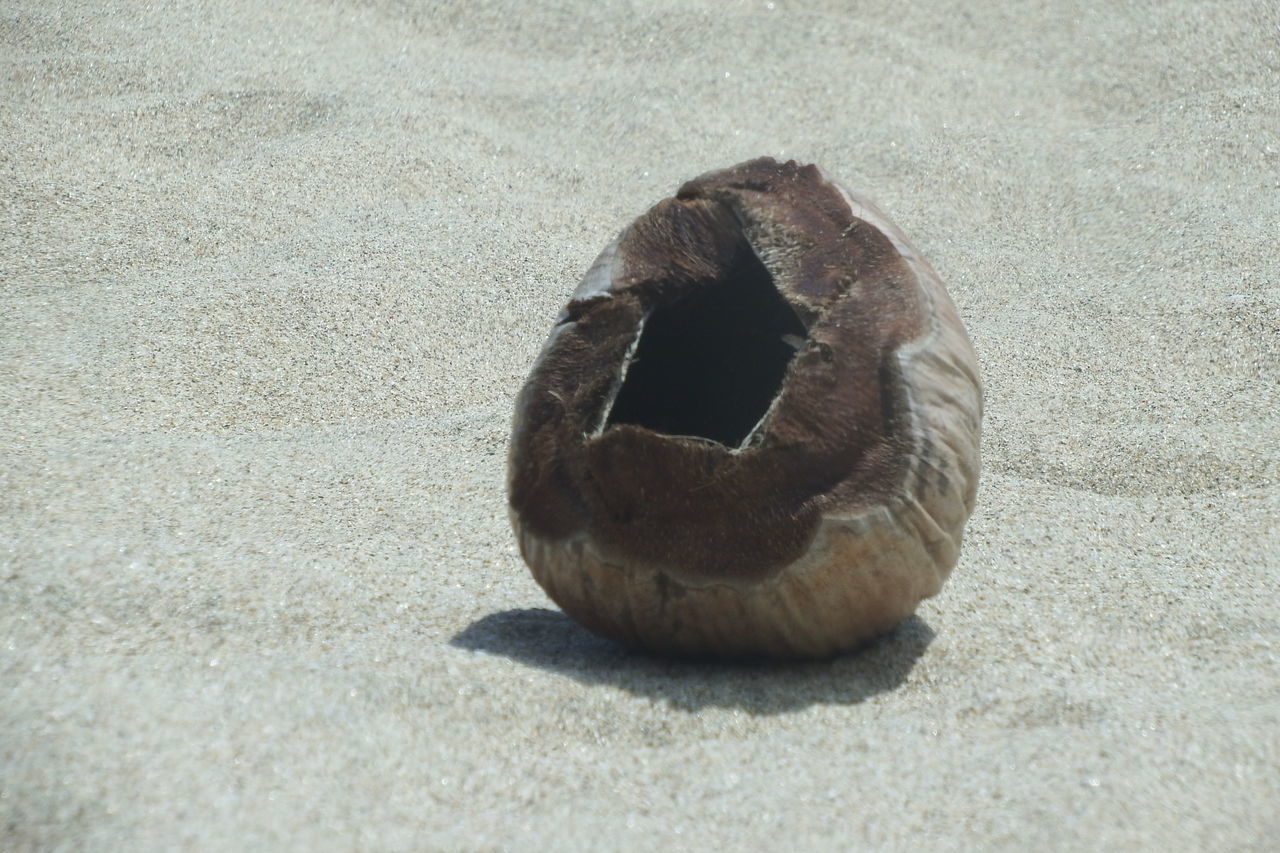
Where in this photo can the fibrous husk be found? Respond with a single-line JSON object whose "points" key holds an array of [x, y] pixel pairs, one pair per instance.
{"points": [[801, 491]]}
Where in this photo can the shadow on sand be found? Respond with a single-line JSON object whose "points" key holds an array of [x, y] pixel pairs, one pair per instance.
{"points": [[550, 640]]}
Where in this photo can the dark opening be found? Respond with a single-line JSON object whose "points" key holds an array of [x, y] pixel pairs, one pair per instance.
{"points": [[710, 364]]}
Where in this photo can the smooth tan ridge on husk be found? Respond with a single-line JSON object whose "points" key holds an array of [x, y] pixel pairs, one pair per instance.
{"points": [[843, 507]]}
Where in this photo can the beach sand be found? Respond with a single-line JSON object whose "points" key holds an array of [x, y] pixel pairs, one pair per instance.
{"points": [[273, 273]]}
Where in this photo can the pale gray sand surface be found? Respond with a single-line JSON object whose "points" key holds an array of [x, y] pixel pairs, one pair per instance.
{"points": [[272, 274]]}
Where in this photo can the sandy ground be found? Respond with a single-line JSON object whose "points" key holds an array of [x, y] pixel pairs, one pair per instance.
{"points": [[273, 273]]}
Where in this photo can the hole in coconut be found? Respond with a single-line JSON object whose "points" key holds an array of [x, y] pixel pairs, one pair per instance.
{"points": [[710, 364]]}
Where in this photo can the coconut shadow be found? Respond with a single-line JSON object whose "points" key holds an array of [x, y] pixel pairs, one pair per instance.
{"points": [[550, 640]]}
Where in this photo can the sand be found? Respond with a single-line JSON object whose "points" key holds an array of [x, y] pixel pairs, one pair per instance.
{"points": [[273, 273]]}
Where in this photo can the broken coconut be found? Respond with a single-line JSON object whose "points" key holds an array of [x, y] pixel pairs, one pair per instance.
{"points": [[754, 429]]}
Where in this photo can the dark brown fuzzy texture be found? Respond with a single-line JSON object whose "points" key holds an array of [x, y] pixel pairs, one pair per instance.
{"points": [[696, 509]]}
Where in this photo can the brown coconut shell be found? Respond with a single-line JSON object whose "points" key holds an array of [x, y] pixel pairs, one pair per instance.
{"points": [[754, 429]]}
